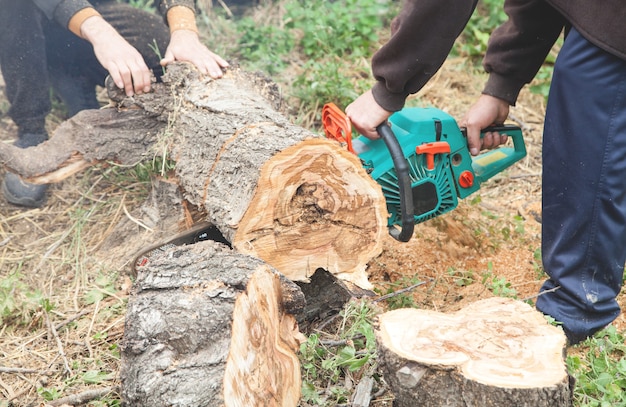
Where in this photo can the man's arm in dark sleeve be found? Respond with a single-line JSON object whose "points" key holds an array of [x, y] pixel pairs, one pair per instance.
{"points": [[519, 47], [166, 5], [422, 36], [61, 10]]}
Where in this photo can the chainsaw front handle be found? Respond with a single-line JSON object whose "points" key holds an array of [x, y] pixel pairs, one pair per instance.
{"points": [[337, 125], [492, 162], [404, 184]]}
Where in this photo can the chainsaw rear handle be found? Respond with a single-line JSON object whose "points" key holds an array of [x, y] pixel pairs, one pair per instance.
{"points": [[492, 162], [404, 184]]}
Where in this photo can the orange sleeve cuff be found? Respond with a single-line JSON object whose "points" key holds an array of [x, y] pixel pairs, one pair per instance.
{"points": [[181, 18], [79, 18]]}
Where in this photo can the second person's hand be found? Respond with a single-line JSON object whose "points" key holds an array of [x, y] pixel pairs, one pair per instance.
{"points": [[123, 62], [185, 45]]}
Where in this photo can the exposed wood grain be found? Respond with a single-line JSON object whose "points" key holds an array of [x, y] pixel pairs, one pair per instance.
{"points": [[494, 352]]}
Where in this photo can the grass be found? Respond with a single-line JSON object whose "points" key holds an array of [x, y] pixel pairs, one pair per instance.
{"points": [[599, 366], [345, 353], [58, 301]]}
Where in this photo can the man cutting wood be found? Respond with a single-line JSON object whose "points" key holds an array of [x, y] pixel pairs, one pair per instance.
{"points": [[584, 141]]}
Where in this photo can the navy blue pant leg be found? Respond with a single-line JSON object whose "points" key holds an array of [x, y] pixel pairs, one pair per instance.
{"points": [[23, 64], [584, 188]]}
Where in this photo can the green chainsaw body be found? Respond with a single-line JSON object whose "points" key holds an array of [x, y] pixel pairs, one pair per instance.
{"points": [[441, 168]]}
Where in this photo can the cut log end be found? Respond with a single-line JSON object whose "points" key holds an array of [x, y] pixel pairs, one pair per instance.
{"points": [[263, 347], [328, 214], [493, 351]]}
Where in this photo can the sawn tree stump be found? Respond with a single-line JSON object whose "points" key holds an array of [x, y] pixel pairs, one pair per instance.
{"points": [[496, 352]]}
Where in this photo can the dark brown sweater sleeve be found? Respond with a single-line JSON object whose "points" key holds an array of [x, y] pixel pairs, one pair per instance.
{"points": [[63, 10], [165, 5], [519, 47], [422, 36]]}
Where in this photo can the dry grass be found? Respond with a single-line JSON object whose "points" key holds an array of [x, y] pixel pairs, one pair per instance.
{"points": [[63, 302]]}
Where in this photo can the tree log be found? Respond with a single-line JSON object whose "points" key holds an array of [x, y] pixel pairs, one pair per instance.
{"points": [[207, 326], [275, 190], [495, 352]]}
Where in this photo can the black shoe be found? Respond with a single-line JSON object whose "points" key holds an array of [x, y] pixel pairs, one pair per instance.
{"points": [[15, 190], [21, 193], [25, 140]]}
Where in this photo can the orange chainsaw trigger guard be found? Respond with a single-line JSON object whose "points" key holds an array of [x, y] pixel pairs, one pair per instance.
{"points": [[337, 125], [430, 149]]}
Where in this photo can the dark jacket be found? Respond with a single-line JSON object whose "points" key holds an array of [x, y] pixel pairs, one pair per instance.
{"points": [[63, 10], [425, 30]]}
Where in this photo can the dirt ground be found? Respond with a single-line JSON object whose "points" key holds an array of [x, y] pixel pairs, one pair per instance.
{"points": [[65, 266]]}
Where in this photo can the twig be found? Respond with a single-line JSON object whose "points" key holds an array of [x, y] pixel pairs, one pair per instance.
{"points": [[135, 220], [93, 319], [522, 124], [340, 342], [328, 321], [225, 7], [23, 370], [81, 398], [402, 291], [530, 175], [542, 293], [72, 319], [53, 330]]}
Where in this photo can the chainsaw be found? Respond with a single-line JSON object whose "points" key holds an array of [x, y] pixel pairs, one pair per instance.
{"points": [[423, 165], [199, 232]]}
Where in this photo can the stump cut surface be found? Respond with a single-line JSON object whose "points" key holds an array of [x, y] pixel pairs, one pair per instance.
{"points": [[494, 352]]}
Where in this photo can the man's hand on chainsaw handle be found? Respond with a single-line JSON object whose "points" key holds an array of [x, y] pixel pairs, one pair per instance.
{"points": [[365, 115], [487, 111]]}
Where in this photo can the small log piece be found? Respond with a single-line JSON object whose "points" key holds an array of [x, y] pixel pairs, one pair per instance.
{"points": [[207, 326], [495, 352]]}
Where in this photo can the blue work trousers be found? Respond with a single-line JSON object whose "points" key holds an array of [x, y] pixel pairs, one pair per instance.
{"points": [[584, 188]]}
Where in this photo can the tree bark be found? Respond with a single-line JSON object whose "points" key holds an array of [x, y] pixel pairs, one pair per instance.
{"points": [[207, 326], [495, 352], [275, 190]]}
